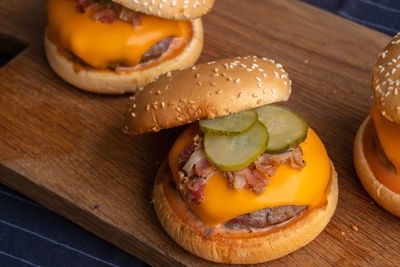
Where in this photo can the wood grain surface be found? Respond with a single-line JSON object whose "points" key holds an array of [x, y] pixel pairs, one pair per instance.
{"points": [[65, 149]]}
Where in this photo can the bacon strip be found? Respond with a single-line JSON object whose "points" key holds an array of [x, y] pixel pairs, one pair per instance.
{"points": [[195, 170], [108, 12]]}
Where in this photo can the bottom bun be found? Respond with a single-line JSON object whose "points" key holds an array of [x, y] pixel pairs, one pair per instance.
{"points": [[385, 197], [243, 250], [111, 82]]}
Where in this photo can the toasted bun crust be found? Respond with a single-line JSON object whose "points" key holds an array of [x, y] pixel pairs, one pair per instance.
{"points": [[242, 250], [385, 80], [170, 9], [207, 90], [110, 82], [388, 199]]}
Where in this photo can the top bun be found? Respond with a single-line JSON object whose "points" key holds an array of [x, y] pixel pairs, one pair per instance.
{"points": [[207, 90], [170, 9], [386, 80]]}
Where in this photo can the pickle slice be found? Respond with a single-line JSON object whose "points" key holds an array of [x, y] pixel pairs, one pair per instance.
{"points": [[231, 153], [231, 125], [286, 128]]}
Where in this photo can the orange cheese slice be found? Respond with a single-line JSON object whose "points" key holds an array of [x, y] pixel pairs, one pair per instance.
{"points": [[389, 137], [100, 44], [288, 185]]}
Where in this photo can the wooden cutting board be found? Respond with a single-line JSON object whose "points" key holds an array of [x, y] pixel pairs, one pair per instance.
{"points": [[65, 149]]}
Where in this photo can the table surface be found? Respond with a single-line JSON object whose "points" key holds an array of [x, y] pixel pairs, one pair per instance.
{"points": [[64, 148]]}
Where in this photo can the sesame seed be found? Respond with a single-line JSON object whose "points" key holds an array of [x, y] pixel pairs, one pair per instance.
{"points": [[258, 79], [229, 78], [169, 74], [134, 105], [259, 101], [183, 100], [194, 67], [219, 92], [154, 129], [199, 83], [163, 104], [197, 75], [394, 70], [178, 109], [223, 74], [191, 102], [216, 70], [213, 84], [209, 94], [264, 90], [192, 106], [179, 118], [158, 92], [147, 107], [248, 69], [215, 74], [237, 80], [171, 103], [133, 114], [259, 85], [239, 94], [264, 75], [154, 104], [285, 83], [254, 95]]}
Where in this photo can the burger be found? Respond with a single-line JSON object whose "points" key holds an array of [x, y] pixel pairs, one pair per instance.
{"points": [[249, 181], [377, 143], [117, 46]]}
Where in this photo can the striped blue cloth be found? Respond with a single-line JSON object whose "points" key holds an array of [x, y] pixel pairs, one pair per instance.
{"points": [[31, 235], [381, 15]]}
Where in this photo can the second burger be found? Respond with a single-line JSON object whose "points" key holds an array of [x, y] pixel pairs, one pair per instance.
{"points": [[117, 46]]}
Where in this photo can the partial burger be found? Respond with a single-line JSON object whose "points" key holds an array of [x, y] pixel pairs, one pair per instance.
{"points": [[249, 181], [117, 46], [377, 143]]}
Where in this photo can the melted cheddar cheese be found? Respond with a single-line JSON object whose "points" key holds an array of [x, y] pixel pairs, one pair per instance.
{"points": [[388, 134], [100, 44], [288, 185], [389, 137]]}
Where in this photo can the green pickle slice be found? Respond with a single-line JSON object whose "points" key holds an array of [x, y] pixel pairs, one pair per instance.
{"points": [[231, 125], [286, 128], [231, 153]]}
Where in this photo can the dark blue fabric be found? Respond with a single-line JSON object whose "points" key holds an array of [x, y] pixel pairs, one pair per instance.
{"points": [[31, 235], [381, 15]]}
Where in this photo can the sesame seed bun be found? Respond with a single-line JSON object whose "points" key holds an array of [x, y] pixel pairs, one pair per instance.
{"points": [[243, 250], [208, 90], [388, 199], [111, 82], [170, 9], [386, 81]]}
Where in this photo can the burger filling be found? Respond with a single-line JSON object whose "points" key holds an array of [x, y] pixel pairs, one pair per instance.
{"points": [[266, 217], [381, 149], [81, 29], [195, 170]]}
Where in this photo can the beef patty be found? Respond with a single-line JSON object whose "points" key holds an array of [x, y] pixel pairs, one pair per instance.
{"points": [[265, 217]]}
